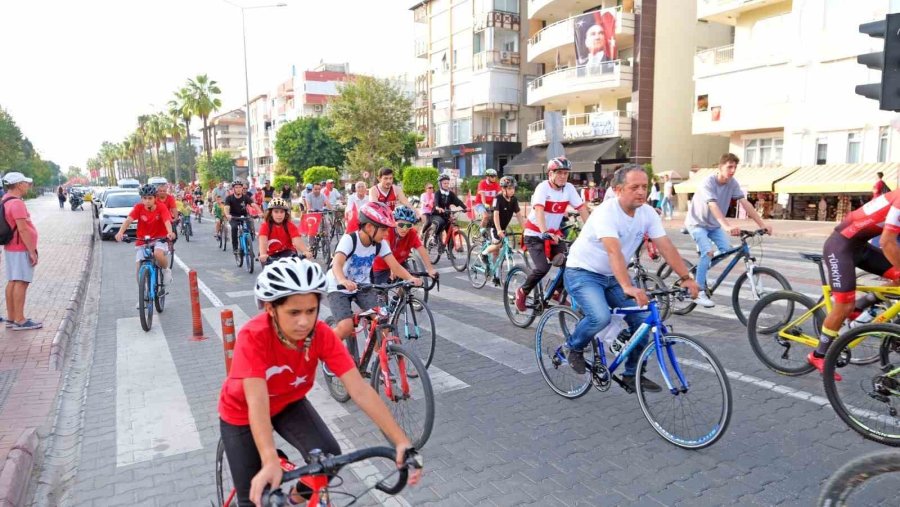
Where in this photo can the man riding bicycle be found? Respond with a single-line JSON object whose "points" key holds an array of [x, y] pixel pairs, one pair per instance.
{"points": [[236, 212], [597, 275], [488, 188], [275, 361], [443, 200], [549, 202]]}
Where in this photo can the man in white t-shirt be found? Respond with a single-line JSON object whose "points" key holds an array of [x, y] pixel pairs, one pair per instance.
{"points": [[597, 273], [549, 203]]}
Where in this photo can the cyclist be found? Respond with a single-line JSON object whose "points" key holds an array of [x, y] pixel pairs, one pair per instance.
{"points": [[278, 236], [385, 191], [236, 211], [403, 239], [506, 205], [219, 213], [440, 215], [333, 194], [848, 248], [597, 273], [549, 202], [274, 367], [268, 192], [488, 188], [153, 220], [353, 259], [706, 220], [316, 201]]}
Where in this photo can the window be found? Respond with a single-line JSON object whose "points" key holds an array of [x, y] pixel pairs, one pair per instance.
{"points": [[461, 131], [507, 6], [763, 151], [440, 134], [751, 151], [821, 151], [503, 126], [883, 144], [854, 144]]}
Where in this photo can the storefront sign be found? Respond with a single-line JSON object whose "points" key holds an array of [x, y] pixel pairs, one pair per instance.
{"points": [[429, 152]]}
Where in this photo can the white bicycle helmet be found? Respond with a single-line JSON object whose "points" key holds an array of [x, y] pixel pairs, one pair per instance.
{"points": [[288, 276]]}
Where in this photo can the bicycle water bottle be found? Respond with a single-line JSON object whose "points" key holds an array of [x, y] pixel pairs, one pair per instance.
{"points": [[609, 334]]}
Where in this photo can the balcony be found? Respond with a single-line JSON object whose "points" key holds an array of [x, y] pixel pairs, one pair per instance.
{"points": [[589, 84], [727, 11], [577, 127], [496, 99], [420, 13], [421, 49], [494, 137], [497, 19], [495, 59], [723, 60], [555, 10], [557, 37]]}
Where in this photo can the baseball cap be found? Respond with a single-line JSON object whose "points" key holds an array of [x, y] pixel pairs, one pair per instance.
{"points": [[15, 177]]}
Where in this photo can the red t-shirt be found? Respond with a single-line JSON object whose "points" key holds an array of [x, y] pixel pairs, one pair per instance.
{"points": [[170, 202], [150, 222], [15, 209], [488, 190], [279, 240], [400, 247], [289, 375]]}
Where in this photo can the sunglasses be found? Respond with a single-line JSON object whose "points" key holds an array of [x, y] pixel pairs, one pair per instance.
{"points": [[404, 226], [429, 188]]}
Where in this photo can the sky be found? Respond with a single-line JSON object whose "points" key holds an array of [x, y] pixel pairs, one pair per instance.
{"points": [[75, 73]]}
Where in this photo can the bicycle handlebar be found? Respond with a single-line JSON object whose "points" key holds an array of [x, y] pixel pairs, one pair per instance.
{"points": [[380, 287], [745, 235], [147, 239], [430, 281]]}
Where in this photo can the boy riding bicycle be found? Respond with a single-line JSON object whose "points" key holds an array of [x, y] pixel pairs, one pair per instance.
{"points": [[403, 239], [506, 205], [153, 220]]}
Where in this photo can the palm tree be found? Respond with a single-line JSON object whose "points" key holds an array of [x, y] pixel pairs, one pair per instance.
{"points": [[137, 146], [175, 130], [155, 136], [184, 106], [203, 91], [142, 129]]}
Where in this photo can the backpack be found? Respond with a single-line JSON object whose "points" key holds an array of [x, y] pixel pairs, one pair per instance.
{"points": [[6, 231], [353, 250], [884, 187]]}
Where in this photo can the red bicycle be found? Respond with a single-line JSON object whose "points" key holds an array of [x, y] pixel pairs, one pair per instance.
{"points": [[455, 244]]}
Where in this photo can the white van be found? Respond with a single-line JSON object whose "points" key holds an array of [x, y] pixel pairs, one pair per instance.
{"points": [[129, 183], [157, 181]]}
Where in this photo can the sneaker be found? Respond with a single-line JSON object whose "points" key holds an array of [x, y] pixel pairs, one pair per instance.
{"points": [[819, 364], [167, 275], [703, 300], [577, 362], [520, 300], [496, 281], [485, 260], [648, 385], [28, 324]]}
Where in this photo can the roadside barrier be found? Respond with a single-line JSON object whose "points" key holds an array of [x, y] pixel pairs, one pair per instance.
{"points": [[228, 337], [195, 308]]}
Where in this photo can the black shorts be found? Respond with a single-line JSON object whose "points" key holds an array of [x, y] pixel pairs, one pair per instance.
{"points": [[842, 256]]}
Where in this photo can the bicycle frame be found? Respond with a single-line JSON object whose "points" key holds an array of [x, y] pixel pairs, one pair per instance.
{"points": [[741, 252], [380, 335], [504, 254], [149, 263], [244, 236]]}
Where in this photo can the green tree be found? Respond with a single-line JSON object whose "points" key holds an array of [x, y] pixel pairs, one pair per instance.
{"points": [[372, 115], [284, 179], [10, 141], [305, 142], [410, 146], [415, 178], [320, 173], [215, 169], [204, 102]]}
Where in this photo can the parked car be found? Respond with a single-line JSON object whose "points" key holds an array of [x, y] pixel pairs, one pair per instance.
{"points": [[114, 212], [129, 183]]}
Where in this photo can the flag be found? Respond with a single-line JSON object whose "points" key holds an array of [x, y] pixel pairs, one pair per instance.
{"points": [[470, 206]]}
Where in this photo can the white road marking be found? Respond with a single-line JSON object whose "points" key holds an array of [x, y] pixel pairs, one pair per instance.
{"points": [[240, 294], [491, 305], [153, 416], [213, 317], [200, 285], [487, 344]]}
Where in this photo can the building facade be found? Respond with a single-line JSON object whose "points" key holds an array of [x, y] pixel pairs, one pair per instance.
{"points": [[263, 143], [228, 132]]}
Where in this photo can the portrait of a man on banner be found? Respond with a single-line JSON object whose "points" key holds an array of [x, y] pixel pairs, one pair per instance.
{"points": [[595, 39]]}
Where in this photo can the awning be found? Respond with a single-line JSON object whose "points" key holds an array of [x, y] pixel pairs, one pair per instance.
{"points": [[532, 160], [752, 179], [583, 155], [838, 178]]}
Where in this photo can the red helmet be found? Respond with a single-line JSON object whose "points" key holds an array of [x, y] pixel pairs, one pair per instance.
{"points": [[377, 213], [559, 164]]}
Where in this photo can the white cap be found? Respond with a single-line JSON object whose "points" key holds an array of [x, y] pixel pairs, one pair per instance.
{"points": [[15, 177]]}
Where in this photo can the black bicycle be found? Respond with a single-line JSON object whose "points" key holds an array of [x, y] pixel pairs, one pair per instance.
{"points": [[865, 470]]}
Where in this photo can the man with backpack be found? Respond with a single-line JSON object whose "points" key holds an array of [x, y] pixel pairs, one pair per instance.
{"points": [[880, 188], [20, 238]]}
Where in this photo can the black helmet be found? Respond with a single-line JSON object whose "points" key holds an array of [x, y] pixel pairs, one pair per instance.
{"points": [[148, 190]]}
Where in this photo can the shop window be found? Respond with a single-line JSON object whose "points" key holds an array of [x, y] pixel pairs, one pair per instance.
{"points": [[883, 144], [821, 151], [854, 147]]}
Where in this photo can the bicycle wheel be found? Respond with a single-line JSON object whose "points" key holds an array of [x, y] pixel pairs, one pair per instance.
{"points": [[550, 337], [864, 471], [413, 405], [651, 282], [521, 260], [665, 271], [477, 270], [145, 306], [746, 294], [698, 412], [416, 329], [325, 249], [225, 492], [515, 279], [335, 386], [433, 247], [248, 261], [774, 329], [867, 397], [680, 306], [239, 253], [187, 232], [160, 300], [458, 250]]}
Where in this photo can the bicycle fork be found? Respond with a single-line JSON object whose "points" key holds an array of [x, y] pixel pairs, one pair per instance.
{"points": [[387, 375]]}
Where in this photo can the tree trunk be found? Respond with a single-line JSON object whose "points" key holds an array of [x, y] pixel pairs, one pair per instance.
{"points": [[206, 141], [176, 161]]}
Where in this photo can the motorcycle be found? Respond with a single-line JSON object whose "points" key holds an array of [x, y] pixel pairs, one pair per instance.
{"points": [[76, 201]]}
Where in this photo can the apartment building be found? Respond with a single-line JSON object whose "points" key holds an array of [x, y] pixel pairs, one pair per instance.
{"points": [[263, 144], [469, 100], [782, 93], [228, 132]]}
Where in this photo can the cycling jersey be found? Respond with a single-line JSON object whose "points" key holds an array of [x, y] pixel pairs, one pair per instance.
{"points": [[555, 201], [487, 191], [881, 213], [389, 198]]}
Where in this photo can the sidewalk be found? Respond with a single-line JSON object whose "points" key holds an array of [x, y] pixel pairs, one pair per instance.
{"points": [[30, 361], [781, 228]]}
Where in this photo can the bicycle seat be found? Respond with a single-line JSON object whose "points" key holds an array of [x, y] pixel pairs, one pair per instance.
{"points": [[559, 260], [817, 258]]}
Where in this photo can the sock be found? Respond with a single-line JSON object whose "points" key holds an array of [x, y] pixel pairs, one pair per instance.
{"points": [[866, 300], [824, 341]]}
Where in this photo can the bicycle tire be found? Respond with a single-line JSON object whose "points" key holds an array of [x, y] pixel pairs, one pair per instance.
{"points": [[224, 483], [326, 250], [664, 271], [652, 282], [705, 436], [249, 261], [555, 370], [517, 276], [160, 300], [422, 345], [334, 384], [872, 389], [458, 254], [433, 246], [681, 306], [145, 306], [239, 253], [759, 345], [852, 475], [760, 272], [418, 432], [186, 232], [477, 270]]}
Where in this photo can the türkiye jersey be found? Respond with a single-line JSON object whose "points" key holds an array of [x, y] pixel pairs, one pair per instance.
{"points": [[879, 214], [555, 201]]}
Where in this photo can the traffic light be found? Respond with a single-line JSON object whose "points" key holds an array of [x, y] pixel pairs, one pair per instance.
{"points": [[887, 92]]}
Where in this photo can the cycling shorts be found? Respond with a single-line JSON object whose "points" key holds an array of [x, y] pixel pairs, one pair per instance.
{"points": [[842, 256]]}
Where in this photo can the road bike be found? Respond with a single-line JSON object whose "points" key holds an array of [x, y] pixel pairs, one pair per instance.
{"points": [[395, 372], [455, 244], [244, 254], [693, 408], [754, 283], [497, 266], [319, 242], [151, 285], [859, 473], [186, 230], [321, 476]]}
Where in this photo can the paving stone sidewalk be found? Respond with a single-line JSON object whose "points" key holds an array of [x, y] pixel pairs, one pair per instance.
{"points": [[782, 228], [31, 361]]}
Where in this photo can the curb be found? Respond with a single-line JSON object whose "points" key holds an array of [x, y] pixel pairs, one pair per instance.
{"points": [[67, 325]]}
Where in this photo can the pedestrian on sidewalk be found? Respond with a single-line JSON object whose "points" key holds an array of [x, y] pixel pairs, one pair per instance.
{"points": [[61, 195], [21, 251], [668, 198], [880, 187]]}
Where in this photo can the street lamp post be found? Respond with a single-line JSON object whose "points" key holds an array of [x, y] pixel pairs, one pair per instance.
{"points": [[247, 81]]}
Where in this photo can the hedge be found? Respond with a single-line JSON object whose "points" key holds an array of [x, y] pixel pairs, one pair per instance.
{"points": [[415, 178], [320, 173], [284, 179]]}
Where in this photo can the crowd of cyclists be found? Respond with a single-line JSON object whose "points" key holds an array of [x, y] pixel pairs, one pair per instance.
{"points": [[278, 351]]}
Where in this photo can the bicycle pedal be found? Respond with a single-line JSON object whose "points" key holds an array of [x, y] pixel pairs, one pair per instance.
{"points": [[623, 385]]}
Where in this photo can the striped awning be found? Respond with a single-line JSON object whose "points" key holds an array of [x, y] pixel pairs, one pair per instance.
{"points": [[752, 179], [838, 178]]}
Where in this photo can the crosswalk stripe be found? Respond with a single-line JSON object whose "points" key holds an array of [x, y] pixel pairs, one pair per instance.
{"points": [[487, 344], [240, 294], [153, 416]]}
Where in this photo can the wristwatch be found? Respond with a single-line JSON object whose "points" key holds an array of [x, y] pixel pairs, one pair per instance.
{"points": [[685, 277]]}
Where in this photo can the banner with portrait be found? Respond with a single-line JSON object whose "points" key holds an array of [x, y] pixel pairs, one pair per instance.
{"points": [[595, 38]]}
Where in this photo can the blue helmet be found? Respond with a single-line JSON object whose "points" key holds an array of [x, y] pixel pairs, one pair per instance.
{"points": [[309, 186], [406, 214]]}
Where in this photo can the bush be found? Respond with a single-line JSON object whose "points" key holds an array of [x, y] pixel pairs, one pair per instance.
{"points": [[284, 179], [320, 173], [415, 178], [469, 184]]}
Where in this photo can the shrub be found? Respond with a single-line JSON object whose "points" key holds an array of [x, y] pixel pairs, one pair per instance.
{"points": [[284, 179], [469, 184], [415, 178], [320, 173]]}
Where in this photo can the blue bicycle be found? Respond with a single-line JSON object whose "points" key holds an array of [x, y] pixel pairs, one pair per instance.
{"points": [[244, 255], [693, 409], [151, 285]]}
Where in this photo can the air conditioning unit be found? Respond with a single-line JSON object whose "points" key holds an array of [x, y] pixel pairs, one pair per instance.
{"points": [[317, 108], [504, 56], [510, 116]]}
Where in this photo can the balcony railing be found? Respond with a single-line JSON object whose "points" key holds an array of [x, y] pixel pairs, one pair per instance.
{"points": [[722, 10], [715, 56], [568, 25], [494, 136], [585, 126], [583, 78], [490, 59], [497, 19], [421, 48]]}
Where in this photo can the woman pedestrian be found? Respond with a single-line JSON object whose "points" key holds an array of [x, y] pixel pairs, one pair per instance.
{"points": [[61, 195], [654, 194]]}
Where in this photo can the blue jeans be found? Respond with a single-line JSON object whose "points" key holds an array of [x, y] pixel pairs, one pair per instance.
{"points": [[705, 238], [595, 295], [667, 208]]}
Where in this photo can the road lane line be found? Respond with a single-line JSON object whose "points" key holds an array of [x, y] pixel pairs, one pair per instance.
{"points": [[153, 416], [200, 285], [240, 294]]}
